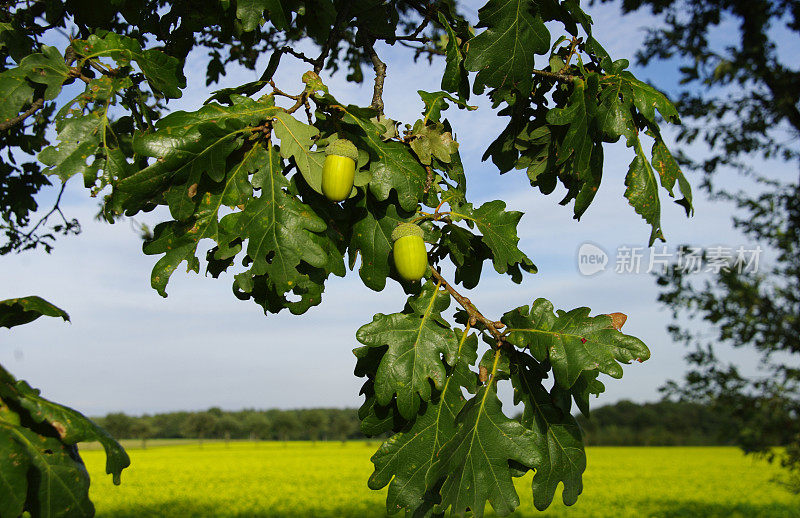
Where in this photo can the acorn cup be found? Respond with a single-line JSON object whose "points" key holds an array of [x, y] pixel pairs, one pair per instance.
{"points": [[410, 256], [339, 169]]}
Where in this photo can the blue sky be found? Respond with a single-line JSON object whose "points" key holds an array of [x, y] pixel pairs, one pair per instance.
{"points": [[129, 349]]}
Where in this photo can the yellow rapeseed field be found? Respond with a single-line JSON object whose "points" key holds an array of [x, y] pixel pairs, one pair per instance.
{"points": [[297, 479]]}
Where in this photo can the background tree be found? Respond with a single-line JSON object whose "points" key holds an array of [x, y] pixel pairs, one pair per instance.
{"points": [[344, 425], [741, 97], [257, 426], [284, 425], [246, 170], [316, 423], [118, 425], [142, 429], [200, 425], [227, 426]]}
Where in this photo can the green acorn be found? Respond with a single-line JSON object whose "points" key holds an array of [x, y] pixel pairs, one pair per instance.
{"points": [[339, 169], [410, 256]]}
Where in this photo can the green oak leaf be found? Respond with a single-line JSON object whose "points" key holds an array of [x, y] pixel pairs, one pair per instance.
{"points": [[48, 69], [404, 459], [19, 311], [18, 85], [338, 219], [15, 462], [388, 128], [88, 142], [431, 141], [396, 169], [251, 88], [58, 478], [670, 173], [278, 227], [614, 114], [573, 342], [15, 41], [454, 78], [62, 483], [577, 145], [163, 72], [375, 419], [80, 138], [586, 385], [436, 103], [642, 192], [72, 426], [296, 141], [558, 436], [16, 92], [578, 115], [621, 94], [475, 461], [503, 54], [250, 12], [378, 419], [416, 339], [644, 97], [178, 240], [188, 145], [499, 229], [307, 288], [467, 252]]}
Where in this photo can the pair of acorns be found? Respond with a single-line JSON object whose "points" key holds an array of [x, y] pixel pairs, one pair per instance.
{"points": [[338, 175]]}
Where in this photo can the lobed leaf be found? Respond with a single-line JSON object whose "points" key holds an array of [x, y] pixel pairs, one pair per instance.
{"points": [[475, 461], [163, 72], [404, 459], [45, 70], [557, 436], [499, 229], [416, 339], [573, 342], [55, 481], [503, 54], [455, 78]]}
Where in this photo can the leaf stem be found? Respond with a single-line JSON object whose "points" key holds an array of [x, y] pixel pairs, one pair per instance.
{"points": [[496, 362]]}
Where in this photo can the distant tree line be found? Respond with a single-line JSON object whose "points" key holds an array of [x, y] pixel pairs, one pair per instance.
{"points": [[665, 423], [285, 425]]}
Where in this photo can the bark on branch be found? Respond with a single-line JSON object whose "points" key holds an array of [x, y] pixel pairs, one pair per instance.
{"points": [[380, 76], [38, 103], [474, 315]]}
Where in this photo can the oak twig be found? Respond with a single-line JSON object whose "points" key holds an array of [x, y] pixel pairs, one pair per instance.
{"points": [[341, 17], [38, 103], [278, 91], [474, 315], [567, 78], [380, 76], [299, 55], [415, 35]]}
